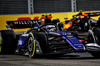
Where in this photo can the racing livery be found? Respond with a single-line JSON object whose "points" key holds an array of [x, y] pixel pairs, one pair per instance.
{"points": [[48, 40]]}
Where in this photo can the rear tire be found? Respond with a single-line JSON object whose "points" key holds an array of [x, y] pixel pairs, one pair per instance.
{"points": [[8, 42]]}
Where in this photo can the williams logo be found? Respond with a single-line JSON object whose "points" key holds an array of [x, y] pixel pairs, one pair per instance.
{"points": [[22, 24]]}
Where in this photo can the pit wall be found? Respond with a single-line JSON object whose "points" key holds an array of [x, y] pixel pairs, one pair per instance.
{"points": [[61, 16]]}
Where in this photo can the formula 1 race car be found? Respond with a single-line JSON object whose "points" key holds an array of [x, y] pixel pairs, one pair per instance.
{"points": [[48, 39], [78, 23], [81, 23]]}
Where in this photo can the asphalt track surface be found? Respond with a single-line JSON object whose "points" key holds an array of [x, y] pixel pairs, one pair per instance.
{"points": [[73, 59]]}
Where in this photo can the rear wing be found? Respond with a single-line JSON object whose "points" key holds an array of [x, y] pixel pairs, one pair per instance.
{"points": [[93, 14], [23, 22], [90, 14]]}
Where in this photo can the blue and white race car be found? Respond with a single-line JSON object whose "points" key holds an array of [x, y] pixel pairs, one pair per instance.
{"points": [[48, 39]]}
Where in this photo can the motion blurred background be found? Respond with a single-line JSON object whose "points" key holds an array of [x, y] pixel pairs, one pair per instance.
{"points": [[9, 7]]}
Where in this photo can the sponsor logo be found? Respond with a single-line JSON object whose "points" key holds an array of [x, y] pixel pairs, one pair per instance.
{"points": [[22, 24]]}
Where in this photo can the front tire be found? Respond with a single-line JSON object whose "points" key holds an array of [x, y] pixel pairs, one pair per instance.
{"points": [[34, 48], [31, 46], [96, 54]]}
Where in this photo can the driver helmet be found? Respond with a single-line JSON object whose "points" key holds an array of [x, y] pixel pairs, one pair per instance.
{"points": [[50, 28]]}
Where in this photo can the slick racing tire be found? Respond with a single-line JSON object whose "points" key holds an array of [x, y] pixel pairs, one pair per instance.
{"points": [[8, 42], [97, 35], [34, 48], [96, 54]]}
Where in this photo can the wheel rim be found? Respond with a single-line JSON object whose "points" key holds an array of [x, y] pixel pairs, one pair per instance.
{"points": [[30, 44], [31, 47]]}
